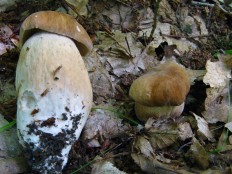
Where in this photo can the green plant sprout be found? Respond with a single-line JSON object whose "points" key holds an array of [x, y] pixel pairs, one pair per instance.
{"points": [[7, 126], [228, 52]]}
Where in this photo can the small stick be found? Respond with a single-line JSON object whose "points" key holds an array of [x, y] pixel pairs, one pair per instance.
{"points": [[65, 3], [156, 8], [187, 37], [44, 93], [128, 46], [56, 70]]}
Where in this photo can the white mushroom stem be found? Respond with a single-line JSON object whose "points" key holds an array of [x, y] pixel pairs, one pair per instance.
{"points": [[144, 112], [54, 99]]}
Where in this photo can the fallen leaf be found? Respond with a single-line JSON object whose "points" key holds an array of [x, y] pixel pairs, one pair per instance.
{"points": [[217, 74], [79, 6], [104, 167], [143, 146], [108, 126], [222, 171], [149, 165], [3, 48], [196, 75], [161, 139], [216, 105], [102, 84], [119, 63], [223, 142], [230, 139], [185, 131], [197, 155], [229, 126], [203, 127], [160, 134], [153, 166]]}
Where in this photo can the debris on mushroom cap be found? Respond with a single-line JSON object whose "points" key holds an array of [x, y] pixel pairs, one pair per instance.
{"points": [[167, 85], [59, 23], [54, 99]]}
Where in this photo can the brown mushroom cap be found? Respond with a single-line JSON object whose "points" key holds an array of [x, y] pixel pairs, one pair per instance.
{"points": [[59, 23], [168, 85]]}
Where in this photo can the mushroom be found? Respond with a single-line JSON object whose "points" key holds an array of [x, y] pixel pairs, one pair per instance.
{"points": [[160, 93], [53, 88]]}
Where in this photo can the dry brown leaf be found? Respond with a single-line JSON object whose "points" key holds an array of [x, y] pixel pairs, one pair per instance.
{"points": [[223, 141], [230, 139], [161, 139], [216, 105], [108, 126], [222, 171], [197, 155], [229, 126], [116, 50], [79, 6], [153, 166], [102, 85], [185, 131], [104, 167], [203, 128], [217, 74], [149, 165], [143, 146], [160, 134]]}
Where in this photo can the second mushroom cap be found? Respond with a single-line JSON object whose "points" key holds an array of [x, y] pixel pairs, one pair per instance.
{"points": [[167, 85]]}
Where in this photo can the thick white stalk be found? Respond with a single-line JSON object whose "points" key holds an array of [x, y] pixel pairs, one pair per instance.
{"points": [[54, 99]]}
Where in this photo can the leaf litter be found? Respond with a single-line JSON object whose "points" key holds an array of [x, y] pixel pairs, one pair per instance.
{"points": [[122, 52]]}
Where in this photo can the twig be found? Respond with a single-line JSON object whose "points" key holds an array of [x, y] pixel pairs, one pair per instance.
{"points": [[119, 89], [212, 5], [187, 144], [121, 46], [65, 3], [155, 9], [124, 3], [128, 46], [202, 3], [117, 155], [187, 37]]}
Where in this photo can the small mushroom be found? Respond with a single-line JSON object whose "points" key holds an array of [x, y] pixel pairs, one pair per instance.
{"points": [[161, 93], [53, 87]]}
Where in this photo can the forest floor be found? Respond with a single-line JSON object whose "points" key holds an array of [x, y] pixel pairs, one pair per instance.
{"points": [[198, 34]]}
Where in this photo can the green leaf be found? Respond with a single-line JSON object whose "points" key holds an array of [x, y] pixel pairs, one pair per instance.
{"points": [[228, 52]]}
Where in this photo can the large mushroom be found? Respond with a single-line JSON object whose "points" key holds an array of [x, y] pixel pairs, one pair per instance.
{"points": [[53, 87], [161, 93]]}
